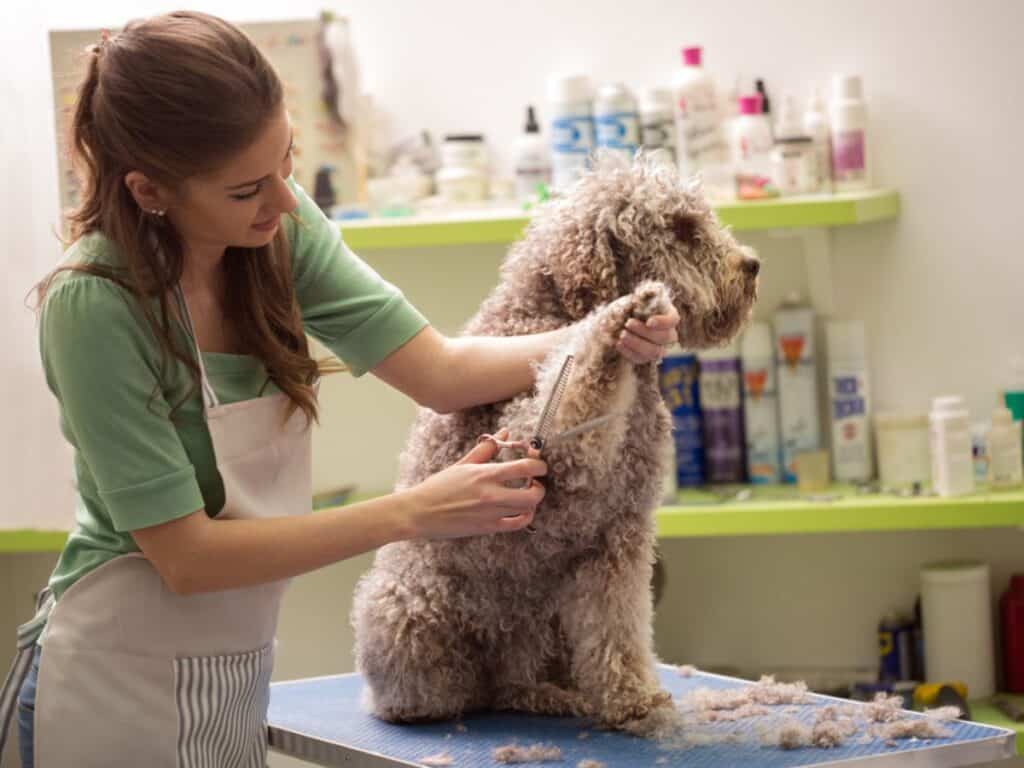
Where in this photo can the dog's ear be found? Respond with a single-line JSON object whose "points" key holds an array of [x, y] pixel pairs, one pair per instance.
{"points": [[584, 271]]}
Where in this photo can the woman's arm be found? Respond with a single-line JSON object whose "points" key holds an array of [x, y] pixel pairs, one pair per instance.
{"points": [[451, 374], [199, 554]]}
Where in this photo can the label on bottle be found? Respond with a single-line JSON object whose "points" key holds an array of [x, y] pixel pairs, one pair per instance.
{"points": [[848, 163]]}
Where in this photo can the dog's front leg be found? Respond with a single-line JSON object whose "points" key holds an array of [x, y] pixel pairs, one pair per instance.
{"points": [[606, 613]]}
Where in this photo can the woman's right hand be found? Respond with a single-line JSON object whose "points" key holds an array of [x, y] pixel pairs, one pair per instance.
{"points": [[472, 498]]}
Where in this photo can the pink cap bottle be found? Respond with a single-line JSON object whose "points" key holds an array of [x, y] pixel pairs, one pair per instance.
{"points": [[750, 105], [692, 56]]}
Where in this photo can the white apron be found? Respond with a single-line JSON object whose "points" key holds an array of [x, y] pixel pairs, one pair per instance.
{"points": [[135, 675]]}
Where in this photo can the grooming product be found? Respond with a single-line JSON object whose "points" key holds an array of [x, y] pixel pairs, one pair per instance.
{"points": [[657, 125], [766, 107], [678, 378], [848, 119], [812, 472], [722, 413], [904, 456], [798, 382], [531, 159], [750, 143], [956, 607], [816, 126], [1013, 395], [570, 103], [979, 452], [761, 405], [849, 402], [950, 437], [1005, 464], [616, 121], [794, 156], [895, 648], [1011, 621], [462, 177], [700, 141]]}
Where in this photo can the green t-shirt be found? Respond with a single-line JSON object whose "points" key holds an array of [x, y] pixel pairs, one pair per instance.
{"points": [[136, 464]]}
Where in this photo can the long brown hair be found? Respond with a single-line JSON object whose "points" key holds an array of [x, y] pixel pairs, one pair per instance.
{"points": [[172, 96]]}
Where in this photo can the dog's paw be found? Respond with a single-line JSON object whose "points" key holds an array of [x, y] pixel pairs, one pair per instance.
{"points": [[649, 299], [624, 709]]}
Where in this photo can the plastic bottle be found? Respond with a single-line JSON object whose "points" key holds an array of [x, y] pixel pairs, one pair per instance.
{"points": [[532, 159], [678, 379], [766, 107], [616, 120], [848, 120], [849, 402], [700, 142], [799, 416], [1011, 614], [657, 125], [816, 126], [1013, 395], [721, 406], [1005, 464], [794, 158], [570, 101], [761, 405], [950, 437], [750, 143]]}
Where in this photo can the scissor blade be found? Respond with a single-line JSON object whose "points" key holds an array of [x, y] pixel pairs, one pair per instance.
{"points": [[586, 426], [547, 416]]}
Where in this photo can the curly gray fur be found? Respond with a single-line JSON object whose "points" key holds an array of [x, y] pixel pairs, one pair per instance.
{"points": [[559, 622]]}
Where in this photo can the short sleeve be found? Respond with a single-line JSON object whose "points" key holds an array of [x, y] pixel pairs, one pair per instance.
{"points": [[102, 363], [346, 305]]}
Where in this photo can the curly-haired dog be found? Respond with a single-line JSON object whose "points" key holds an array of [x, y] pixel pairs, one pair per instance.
{"points": [[559, 621]]}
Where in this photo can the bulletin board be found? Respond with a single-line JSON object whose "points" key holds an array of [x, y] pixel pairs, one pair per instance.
{"points": [[290, 46]]}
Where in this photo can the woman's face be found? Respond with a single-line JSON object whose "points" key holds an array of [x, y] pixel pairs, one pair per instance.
{"points": [[240, 204]]}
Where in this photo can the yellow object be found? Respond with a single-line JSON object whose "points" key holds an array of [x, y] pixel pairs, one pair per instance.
{"points": [[926, 693], [812, 472]]}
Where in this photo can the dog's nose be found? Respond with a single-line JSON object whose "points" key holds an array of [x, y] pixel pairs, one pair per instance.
{"points": [[751, 267]]}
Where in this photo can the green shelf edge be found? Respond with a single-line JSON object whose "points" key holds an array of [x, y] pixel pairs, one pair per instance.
{"points": [[771, 511], [779, 213]]}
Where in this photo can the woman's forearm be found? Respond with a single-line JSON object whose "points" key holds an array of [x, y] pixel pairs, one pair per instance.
{"points": [[227, 554], [488, 369]]}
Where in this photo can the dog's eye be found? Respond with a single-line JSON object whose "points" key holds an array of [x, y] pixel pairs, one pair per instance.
{"points": [[685, 228]]}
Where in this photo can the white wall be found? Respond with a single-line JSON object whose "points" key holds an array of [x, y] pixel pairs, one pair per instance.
{"points": [[939, 289]]}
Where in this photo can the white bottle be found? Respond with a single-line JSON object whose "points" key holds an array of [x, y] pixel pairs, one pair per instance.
{"points": [[616, 120], [570, 101], [816, 126], [849, 402], [1006, 465], [952, 460], [657, 125], [848, 120], [799, 416], [761, 405], [794, 158], [532, 160], [750, 145], [700, 142]]}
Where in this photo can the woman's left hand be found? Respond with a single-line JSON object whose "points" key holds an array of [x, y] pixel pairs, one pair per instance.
{"points": [[647, 342]]}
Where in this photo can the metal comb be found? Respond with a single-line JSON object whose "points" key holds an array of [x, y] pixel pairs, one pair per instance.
{"points": [[547, 416]]}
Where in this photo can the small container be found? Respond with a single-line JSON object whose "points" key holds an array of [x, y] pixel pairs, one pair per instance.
{"points": [[461, 185], [616, 120], [751, 147], [849, 402], [895, 648], [979, 452], [464, 150], [794, 157], [721, 404], [571, 106], [904, 458], [952, 460], [816, 126], [1005, 465], [678, 379], [848, 119], [532, 160], [657, 125]]}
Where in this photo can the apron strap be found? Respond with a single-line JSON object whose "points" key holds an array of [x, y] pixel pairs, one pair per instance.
{"points": [[209, 396], [28, 633]]}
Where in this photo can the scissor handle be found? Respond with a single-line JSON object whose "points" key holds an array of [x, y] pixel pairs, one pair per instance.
{"points": [[537, 443]]}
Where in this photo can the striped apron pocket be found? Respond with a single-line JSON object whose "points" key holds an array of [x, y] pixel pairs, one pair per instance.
{"points": [[222, 709]]}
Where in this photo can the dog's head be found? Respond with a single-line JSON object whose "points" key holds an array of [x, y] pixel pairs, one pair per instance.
{"points": [[625, 223]]}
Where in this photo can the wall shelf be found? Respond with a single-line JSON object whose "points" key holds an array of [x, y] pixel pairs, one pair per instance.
{"points": [[770, 510], [498, 226]]}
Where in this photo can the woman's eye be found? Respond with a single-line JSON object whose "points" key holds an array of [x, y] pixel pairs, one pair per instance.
{"points": [[247, 195]]}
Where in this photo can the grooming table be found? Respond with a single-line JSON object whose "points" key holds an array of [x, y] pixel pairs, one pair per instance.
{"points": [[321, 720]]}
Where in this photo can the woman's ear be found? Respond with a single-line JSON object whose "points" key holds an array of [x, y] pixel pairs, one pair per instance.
{"points": [[148, 195]]}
